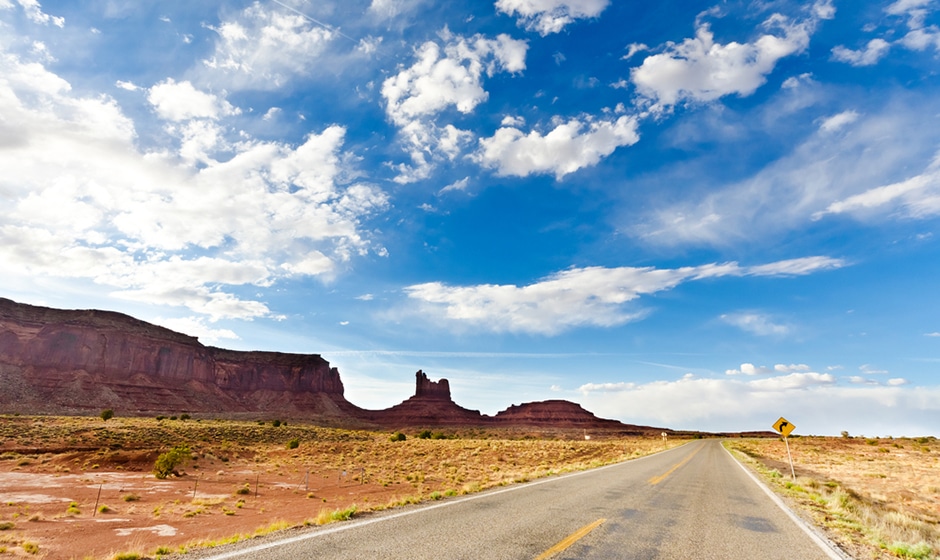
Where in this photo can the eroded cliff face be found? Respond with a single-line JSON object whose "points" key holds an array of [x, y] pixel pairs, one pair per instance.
{"points": [[56, 361], [73, 360]]}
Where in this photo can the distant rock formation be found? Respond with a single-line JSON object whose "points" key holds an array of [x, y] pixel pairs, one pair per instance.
{"points": [[56, 361]]}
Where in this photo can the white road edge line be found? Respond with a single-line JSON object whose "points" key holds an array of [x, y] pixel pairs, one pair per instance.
{"points": [[825, 544], [355, 524]]}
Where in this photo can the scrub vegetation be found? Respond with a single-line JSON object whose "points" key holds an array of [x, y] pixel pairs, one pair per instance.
{"points": [[226, 480], [875, 497]]}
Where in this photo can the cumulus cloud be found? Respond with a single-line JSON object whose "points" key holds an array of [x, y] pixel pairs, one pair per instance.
{"points": [[816, 403], [181, 101], [918, 37], [441, 79], [264, 47], [550, 16], [701, 70], [565, 149], [577, 297], [180, 228], [874, 51], [751, 369]]}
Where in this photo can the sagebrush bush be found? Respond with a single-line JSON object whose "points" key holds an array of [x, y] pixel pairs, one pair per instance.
{"points": [[168, 462]]}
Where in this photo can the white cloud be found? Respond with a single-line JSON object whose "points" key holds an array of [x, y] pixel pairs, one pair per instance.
{"points": [[129, 86], [634, 48], [874, 51], [458, 185], [814, 402], [868, 369], [33, 11], [933, 334], [823, 174], [175, 228], [915, 197], [749, 369], [756, 323], [441, 79], [550, 16], [576, 297], [264, 48], [701, 70], [181, 101], [565, 149], [839, 121], [451, 77]]}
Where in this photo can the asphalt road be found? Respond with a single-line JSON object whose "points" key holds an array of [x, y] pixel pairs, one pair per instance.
{"points": [[694, 501]]}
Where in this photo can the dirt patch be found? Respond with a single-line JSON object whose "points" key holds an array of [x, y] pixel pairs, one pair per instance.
{"points": [[100, 498]]}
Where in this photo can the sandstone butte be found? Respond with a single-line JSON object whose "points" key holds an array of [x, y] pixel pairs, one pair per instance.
{"points": [[80, 362]]}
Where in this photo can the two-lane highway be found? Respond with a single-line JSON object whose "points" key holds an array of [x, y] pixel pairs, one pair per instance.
{"points": [[694, 501]]}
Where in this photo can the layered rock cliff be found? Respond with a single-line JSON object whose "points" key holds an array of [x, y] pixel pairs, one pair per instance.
{"points": [[56, 361]]}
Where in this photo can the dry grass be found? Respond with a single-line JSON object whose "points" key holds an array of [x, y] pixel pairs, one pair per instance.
{"points": [[330, 475], [877, 498]]}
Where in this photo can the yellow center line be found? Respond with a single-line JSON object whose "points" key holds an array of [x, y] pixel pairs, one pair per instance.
{"points": [[570, 540], [657, 479]]}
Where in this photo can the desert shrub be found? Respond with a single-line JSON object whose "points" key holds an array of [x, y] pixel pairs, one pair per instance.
{"points": [[398, 436], [73, 509], [243, 490], [426, 434], [130, 497], [168, 462], [185, 416], [293, 444], [126, 556], [6, 526], [104, 508], [31, 547], [276, 423], [107, 414]]}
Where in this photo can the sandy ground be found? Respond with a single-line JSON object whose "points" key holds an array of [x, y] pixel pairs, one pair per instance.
{"points": [[200, 506], [242, 481]]}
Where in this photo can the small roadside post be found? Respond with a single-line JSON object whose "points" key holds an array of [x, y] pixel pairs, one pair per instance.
{"points": [[785, 428]]}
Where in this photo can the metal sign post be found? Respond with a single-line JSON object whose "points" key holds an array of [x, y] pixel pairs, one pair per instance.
{"points": [[784, 428]]}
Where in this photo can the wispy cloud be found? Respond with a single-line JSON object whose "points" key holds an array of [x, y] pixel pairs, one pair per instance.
{"points": [[583, 297]]}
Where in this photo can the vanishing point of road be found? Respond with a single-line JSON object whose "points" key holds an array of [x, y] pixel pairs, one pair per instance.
{"points": [[694, 501]]}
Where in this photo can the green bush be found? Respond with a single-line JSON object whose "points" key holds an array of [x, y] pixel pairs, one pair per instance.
{"points": [[276, 423], [293, 444], [398, 436], [168, 462], [107, 414], [426, 434]]}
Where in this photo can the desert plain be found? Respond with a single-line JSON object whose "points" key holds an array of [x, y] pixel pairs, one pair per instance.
{"points": [[84, 487]]}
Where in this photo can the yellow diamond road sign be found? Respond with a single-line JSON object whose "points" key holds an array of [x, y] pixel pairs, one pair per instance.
{"points": [[783, 426]]}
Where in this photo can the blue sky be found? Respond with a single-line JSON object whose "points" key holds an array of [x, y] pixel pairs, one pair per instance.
{"points": [[700, 215]]}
